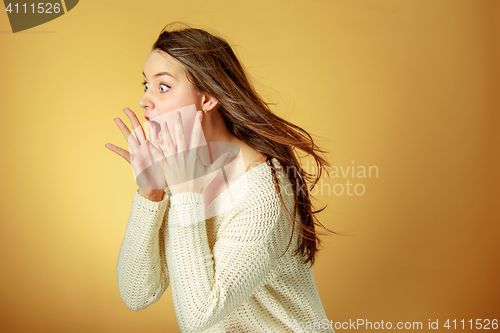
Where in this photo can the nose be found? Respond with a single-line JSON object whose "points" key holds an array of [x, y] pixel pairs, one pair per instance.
{"points": [[145, 102]]}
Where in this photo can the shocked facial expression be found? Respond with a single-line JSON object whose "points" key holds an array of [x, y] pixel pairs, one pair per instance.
{"points": [[166, 86]]}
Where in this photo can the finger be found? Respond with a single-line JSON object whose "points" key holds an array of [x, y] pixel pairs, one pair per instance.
{"points": [[138, 130], [181, 144], [167, 144], [158, 157], [197, 129], [195, 136], [132, 142], [154, 152], [152, 131], [153, 135], [120, 151], [179, 132]]}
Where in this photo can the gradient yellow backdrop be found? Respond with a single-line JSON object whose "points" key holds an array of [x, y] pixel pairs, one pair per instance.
{"points": [[408, 86]]}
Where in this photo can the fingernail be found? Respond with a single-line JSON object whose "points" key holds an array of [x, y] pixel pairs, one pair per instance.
{"points": [[178, 115], [200, 114]]}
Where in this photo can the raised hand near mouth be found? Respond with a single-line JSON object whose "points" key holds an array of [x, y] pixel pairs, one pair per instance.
{"points": [[183, 167], [145, 162]]}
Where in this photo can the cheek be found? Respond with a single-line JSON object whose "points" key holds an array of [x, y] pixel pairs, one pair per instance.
{"points": [[191, 94], [171, 102], [189, 97], [176, 98]]}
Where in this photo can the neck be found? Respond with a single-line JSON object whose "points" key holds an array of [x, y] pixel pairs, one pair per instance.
{"points": [[215, 128]]}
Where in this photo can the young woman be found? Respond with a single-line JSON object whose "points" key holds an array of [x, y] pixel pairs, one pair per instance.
{"points": [[247, 267]]}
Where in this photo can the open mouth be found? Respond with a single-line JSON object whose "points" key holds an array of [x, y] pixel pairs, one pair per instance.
{"points": [[155, 129]]}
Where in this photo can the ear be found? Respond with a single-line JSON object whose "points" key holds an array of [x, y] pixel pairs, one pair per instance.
{"points": [[208, 102]]}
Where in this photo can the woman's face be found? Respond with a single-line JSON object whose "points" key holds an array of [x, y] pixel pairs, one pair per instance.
{"points": [[166, 86]]}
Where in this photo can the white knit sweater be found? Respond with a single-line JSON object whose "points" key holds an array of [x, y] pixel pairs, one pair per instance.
{"points": [[224, 271]]}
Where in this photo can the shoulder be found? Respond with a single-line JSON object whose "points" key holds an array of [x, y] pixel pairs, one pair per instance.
{"points": [[261, 177], [254, 159], [263, 194], [264, 213]]}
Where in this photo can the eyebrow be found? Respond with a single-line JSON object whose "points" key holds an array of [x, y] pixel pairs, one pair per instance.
{"points": [[160, 74]]}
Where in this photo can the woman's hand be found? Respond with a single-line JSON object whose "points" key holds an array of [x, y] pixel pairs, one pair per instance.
{"points": [[146, 163], [184, 170]]}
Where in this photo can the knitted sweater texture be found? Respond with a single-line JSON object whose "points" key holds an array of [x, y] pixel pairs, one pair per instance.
{"points": [[225, 272]]}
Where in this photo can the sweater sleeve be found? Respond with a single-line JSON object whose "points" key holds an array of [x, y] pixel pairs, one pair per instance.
{"points": [[142, 271], [210, 285]]}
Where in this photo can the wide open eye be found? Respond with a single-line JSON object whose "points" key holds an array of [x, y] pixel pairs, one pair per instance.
{"points": [[146, 86], [164, 87]]}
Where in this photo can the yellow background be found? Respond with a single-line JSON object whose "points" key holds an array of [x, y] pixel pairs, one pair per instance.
{"points": [[409, 86]]}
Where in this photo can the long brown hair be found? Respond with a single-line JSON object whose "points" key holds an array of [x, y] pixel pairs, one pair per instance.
{"points": [[213, 68]]}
